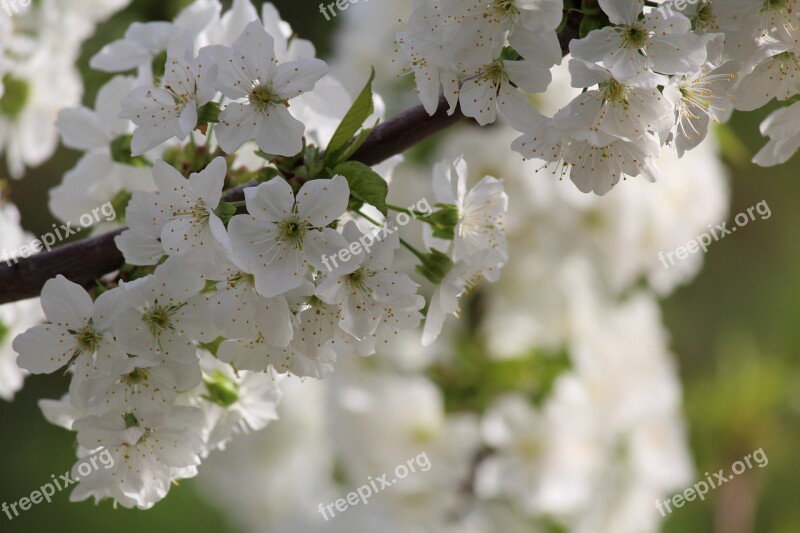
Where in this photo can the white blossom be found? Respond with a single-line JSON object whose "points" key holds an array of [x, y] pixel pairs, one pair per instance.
{"points": [[284, 233], [261, 89]]}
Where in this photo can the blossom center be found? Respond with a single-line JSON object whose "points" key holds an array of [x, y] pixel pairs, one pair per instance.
{"points": [[699, 96], [494, 72], [241, 277], [293, 231], [262, 98], [356, 277], [316, 304], [358, 283], [199, 212], [634, 37], [787, 62], [705, 17], [507, 7], [158, 319], [181, 99], [88, 339], [614, 91], [137, 376]]}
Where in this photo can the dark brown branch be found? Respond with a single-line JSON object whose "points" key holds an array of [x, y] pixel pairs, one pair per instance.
{"points": [[405, 131], [81, 262], [86, 260]]}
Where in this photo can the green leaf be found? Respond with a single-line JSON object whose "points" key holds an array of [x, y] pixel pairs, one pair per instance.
{"points": [[472, 380], [17, 93], [212, 346], [4, 331], [159, 65], [356, 144], [286, 165], [444, 221], [588, 25], [265, 156], [361, 109], [225, 211], [222, 390], [435, 266], [121, 152], [120, 204], [266, 174], [591, 7], [208, 114], [313, 162], [509, 54], [366, 185], [130, 420]]}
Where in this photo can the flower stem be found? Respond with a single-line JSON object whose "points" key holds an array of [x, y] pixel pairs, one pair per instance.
{"points": [[413, 250]]}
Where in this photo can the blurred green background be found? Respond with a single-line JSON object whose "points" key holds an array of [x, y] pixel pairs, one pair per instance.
{"points": [[735, 330]]}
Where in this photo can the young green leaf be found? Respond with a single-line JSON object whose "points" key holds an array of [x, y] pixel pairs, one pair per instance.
{"points": [[366, 185], [208, 114], [346, 153], [121, 152], [225, 211], [361, 109]]}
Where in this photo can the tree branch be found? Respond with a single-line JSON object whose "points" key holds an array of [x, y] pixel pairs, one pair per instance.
{"points": [[87, 260], [84, 261]]}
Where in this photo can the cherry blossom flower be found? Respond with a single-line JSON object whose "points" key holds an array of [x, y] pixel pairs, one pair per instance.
{"points": [[261, 89], [284, 233]]}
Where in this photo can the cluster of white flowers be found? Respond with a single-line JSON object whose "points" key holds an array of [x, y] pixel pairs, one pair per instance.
{"points": [[583, 278], [769, 54], [221, 298], [221, 138], [650, 77], [611, 423], [39, 47]]}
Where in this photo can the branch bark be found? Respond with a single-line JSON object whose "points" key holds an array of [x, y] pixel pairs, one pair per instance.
{"points": [[84, 261]]}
